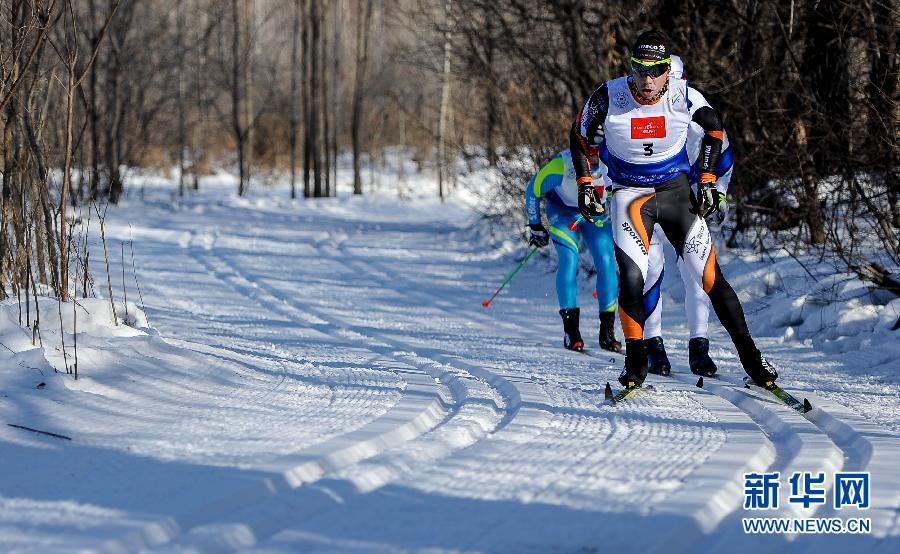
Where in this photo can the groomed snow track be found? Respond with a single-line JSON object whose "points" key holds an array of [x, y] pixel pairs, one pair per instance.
{"points": [[487, 435]]}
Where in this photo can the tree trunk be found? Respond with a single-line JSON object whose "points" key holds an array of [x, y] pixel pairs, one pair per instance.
{"points": [[295, 38], [199, 154], [315, 96], [94, 114], [336, 85], [249, 22], [237, 96], [491, 91], [327, 48], [66, 186], [362, 54], [115, 109], [180, 94], [307, 101], [445, 102]]}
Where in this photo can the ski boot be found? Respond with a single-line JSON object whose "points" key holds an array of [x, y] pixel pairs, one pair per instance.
{"points": [[572, 339], [635, 364], [698, 357], [755, 364], [657, 360], [607, 338]]}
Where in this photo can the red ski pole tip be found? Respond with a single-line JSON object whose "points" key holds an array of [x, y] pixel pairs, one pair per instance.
{"points": [[486, 303]]}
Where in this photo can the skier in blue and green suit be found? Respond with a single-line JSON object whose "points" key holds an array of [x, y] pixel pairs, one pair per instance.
{"points": [[555, 182]]}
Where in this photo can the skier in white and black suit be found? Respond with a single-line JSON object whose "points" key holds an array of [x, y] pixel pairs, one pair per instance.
{"points": [[641, 123], [696, 302]]}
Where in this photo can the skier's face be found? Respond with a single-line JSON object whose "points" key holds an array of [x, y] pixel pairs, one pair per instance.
{"points": [[649, 86]]}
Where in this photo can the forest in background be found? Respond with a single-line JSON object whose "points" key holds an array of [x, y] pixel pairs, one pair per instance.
{"points": [[808, 91]]}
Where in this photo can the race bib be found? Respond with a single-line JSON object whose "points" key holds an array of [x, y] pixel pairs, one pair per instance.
{"points": [[648, 127]]}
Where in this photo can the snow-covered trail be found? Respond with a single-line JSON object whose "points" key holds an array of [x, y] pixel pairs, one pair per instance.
{"points": [[329, 381]]}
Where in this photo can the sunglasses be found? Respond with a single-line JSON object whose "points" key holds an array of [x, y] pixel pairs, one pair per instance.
{"points": [[651, 69]]}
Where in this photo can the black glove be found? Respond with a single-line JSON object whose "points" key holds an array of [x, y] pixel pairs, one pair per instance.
{"points": [[590, 202], [706, 203], [539, 236]]}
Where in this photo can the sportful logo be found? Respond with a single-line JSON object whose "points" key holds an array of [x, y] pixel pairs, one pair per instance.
{"points": [[637, 240], [648, 127]]}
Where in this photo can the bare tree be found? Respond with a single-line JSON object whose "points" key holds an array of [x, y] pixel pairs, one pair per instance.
{"points": [[180, 93], [74, 79], [294, 112], [445, 101], [239, 127], [364, 19]]}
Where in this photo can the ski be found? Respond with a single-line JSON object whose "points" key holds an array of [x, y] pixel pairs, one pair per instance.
{"points": [[671, 375], [616, 396], [790, 400], [714, 376], [604, 355]]}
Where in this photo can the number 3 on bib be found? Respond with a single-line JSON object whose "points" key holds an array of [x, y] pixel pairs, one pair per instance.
{"points": [[648, 148]]}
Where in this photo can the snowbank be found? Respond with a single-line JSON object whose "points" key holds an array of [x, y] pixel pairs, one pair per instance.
{"points": [[28, 358]]}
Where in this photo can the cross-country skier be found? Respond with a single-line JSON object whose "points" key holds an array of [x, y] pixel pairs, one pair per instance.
{"points": [[555, 182], [642, 122], [696, 302]]}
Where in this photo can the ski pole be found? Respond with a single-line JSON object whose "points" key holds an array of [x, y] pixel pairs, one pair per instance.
{"points": [[531, 252], [580, 219]]}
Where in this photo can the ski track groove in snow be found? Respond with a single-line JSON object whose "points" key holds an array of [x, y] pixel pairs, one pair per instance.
{"points": [[410, 291], [841, 448], [542, 401], [422, 409], [798, 446], [285, 306], [505, 421], [845, 444], [252, 338]]}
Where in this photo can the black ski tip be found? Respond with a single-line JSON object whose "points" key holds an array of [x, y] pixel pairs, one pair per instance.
{"points": [[700, 382], [608, 394], [806, 405]]}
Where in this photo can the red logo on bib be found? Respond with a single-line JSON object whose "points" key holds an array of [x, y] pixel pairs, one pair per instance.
{"points": [[648, 127]]}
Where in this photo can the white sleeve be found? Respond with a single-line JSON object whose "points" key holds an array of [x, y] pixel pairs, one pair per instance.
{"points": [[695, 100], [724, 180]]}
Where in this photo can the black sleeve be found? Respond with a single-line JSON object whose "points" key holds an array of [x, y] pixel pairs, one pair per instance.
{"points": [[588, 130], [711, 145]]}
